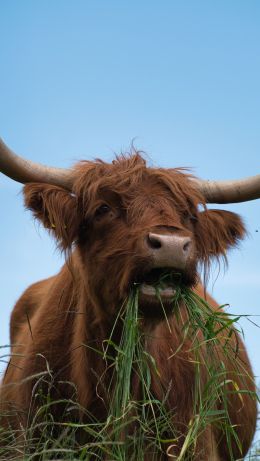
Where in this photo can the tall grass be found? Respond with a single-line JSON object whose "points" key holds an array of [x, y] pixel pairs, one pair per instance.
{"points": [[138, 424]]}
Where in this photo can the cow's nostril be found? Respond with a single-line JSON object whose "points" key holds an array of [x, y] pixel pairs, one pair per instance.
{"points": [[186, 246], [154, 241]]}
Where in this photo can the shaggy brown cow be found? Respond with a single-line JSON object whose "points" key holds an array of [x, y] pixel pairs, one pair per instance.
{"points": [[120, 224]]}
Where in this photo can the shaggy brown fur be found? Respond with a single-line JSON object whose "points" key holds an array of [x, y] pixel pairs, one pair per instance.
{"points": [[102, 226]]}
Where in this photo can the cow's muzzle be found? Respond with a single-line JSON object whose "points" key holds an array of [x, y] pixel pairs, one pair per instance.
{"points": [[169, 250], [171, 266]]}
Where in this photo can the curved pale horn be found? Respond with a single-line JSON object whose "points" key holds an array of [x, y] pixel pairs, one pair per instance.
{"points": [[230, 191], [25, 171]]}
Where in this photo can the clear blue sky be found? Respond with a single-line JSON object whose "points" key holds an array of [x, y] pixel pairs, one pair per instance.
{"points": [[80, 79]]}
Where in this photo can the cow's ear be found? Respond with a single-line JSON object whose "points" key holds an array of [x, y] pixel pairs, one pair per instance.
{"points": [[217, 231], [56, 208]]}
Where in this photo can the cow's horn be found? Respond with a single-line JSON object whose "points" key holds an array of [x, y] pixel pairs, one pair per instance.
{"points": [[230, 191], [25, 171]]}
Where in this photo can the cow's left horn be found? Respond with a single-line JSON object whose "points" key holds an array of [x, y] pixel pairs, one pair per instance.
{"points": [[25, 171], [233, 191]]}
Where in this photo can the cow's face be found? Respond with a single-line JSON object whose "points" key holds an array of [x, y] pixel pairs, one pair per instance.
{"points": [[132, 224], [134, 237]]}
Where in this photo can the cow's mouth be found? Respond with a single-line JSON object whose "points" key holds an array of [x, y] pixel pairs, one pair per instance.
{"points": [[159, 288]]}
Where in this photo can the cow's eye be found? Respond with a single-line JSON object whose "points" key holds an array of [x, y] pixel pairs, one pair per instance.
{"points": [[102, 210], [189, 218]]}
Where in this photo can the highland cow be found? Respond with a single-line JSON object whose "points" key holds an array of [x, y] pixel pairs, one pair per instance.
{"points": [[122, 224]]}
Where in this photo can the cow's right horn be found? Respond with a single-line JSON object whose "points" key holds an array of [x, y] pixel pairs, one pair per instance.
{"points": [[25, 171], [230, 191]]}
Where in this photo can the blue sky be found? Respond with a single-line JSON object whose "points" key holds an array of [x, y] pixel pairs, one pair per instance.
{"points": [[81, 79]]}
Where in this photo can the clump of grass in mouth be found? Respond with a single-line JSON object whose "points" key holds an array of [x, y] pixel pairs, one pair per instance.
{"points": [[137, 422], [159, 278]]}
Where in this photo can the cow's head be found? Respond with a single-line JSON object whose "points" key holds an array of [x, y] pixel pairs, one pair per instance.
{"points": [[130, 223]]}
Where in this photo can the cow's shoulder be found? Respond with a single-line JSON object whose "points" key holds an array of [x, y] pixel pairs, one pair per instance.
{"points": [[27, 305]]}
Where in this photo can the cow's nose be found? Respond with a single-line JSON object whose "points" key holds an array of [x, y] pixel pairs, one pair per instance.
{"points": [[169, 250]]}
